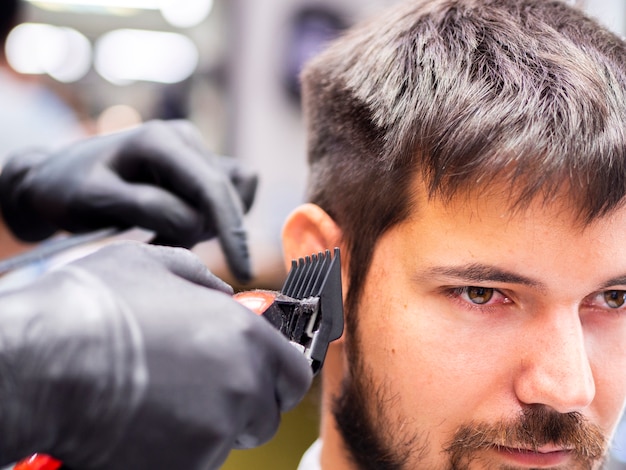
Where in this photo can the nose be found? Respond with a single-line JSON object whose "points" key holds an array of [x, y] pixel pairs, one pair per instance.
{"points": [[555, 370]]}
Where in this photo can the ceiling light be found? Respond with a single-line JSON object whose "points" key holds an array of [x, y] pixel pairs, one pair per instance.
{"points": [[185, 13], [127, 55], [37, 48], [135, 4]]}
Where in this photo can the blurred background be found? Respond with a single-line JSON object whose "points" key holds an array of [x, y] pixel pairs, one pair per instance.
{"points": [[83, 67], [230, 66]]}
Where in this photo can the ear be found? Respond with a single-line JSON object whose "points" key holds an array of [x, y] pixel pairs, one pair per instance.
{"points": [[309, 229]]}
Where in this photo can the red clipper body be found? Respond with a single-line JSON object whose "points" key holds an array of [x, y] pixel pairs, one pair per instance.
{"points": [[39, 462]]}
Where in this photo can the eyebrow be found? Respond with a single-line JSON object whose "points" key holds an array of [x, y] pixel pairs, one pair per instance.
{"points": [[477, 272], [616, 281]]}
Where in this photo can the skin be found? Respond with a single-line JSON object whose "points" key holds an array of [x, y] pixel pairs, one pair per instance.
{"points": [[547, 338], [9, 245]]}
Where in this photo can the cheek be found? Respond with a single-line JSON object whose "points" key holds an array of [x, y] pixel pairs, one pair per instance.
{"points": [[609, 401], [607, 353], [608, 404], [440, 372]]}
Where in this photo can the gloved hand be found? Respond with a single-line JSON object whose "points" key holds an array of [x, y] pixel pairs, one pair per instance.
{"points": [[157, 176], [137, 357]]}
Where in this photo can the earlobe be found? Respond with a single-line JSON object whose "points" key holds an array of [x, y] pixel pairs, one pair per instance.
{"points": [[309, 229]]}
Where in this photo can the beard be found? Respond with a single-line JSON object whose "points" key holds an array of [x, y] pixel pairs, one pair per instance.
{"points": [[377, 438]]}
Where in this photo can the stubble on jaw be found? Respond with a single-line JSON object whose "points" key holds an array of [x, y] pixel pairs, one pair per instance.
{"points": [[374, 437], [375, 440], [378, 439]]}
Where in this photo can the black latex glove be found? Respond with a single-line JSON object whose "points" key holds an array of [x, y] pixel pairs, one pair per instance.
{"points": [[157, 176], [137, 357]]}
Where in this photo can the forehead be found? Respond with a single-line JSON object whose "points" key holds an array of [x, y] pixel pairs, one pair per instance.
{"points": [[496, 199], [543, 240]]}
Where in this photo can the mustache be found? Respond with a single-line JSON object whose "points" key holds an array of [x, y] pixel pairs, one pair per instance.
{"points": [[535, 426]]}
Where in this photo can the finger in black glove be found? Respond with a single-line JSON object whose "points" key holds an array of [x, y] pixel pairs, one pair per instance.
{"points": [[138, 357], [158, 176]]}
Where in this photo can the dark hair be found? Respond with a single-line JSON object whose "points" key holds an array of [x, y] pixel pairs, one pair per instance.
{"points": [[10, 11], [529, 93]]}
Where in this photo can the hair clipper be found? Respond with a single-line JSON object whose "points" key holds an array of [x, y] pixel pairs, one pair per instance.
{"points": [[308, 311]]}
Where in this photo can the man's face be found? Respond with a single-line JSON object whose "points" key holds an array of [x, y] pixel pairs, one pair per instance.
{"points": [[488, 339]]}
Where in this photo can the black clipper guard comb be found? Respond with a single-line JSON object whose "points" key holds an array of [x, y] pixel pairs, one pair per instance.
{"points": [[308, 310]]}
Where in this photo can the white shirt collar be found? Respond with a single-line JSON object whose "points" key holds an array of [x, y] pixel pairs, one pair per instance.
{"points": [[311, 458]]}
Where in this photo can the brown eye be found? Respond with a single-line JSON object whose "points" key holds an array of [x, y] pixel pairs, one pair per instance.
{"points": [[480, 295], [615, 298]]}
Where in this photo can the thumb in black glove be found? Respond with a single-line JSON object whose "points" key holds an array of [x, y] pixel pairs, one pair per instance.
{"points": [[138, 357], [158, 176]]}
